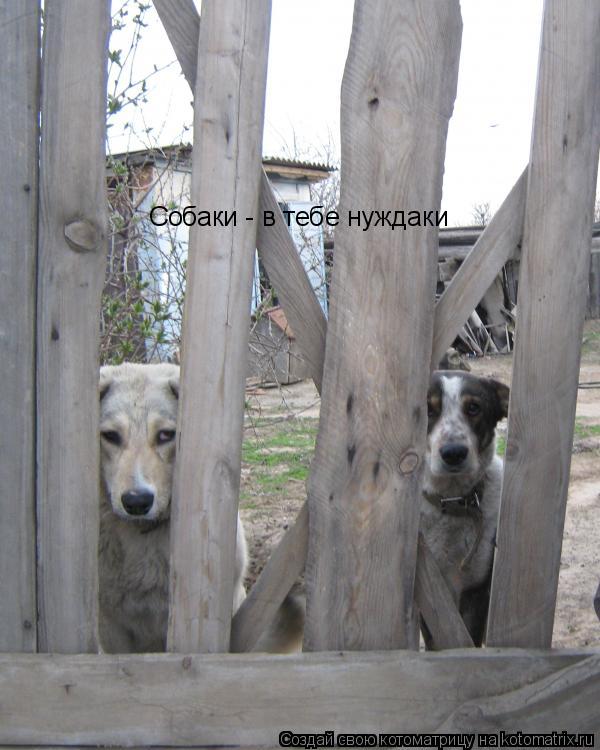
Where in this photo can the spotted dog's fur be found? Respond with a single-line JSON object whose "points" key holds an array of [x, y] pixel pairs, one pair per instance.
{"points": [[461, 460]]}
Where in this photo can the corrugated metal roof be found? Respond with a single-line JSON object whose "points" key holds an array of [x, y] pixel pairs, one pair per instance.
{"points": [[277, 161], [184, 150]]}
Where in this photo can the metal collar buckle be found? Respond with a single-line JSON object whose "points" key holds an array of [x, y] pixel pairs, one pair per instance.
{"points": [[465, 502]]}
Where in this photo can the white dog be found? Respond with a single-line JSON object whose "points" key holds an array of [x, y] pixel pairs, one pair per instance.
{"points": [[138, 417]]}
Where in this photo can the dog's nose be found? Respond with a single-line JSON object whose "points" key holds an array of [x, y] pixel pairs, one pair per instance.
{"points": [[137, 502], [454, 454]]}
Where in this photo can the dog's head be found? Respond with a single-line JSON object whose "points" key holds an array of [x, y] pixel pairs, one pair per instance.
{"points": [[138, 418], [463, 411]]}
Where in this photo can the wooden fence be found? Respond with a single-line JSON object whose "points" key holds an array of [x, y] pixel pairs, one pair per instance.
{"points": [[357, 533]]}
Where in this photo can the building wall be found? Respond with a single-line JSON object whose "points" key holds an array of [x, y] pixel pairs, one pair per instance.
{"points": [[164, 269]]}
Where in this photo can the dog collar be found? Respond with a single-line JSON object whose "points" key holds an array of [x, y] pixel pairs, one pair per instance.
{"points": [[463, 505], [458, 504]]}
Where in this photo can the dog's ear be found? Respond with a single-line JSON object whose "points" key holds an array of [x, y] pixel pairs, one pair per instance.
{"points": [[502, 394], [105, 381], [174, 385]]}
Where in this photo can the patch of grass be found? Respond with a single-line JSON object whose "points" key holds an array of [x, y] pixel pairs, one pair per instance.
{"points": [[246, 503], [501, 445], [582, 430], [276, 454], [586, 430]]}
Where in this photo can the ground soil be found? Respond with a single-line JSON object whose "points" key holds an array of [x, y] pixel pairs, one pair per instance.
{"points": [[269, 514]]}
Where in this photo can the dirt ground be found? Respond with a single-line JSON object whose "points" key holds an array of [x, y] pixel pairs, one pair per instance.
{"points": [[281, 425]]}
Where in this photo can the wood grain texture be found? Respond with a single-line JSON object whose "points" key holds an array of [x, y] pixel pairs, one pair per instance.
{"points": [[288, 276], [72, 197], [552, 299], [272, 586], [498, 243], [282, 262], [181, 22], [436, 604], [365, 481], [275, 244], [228, 125], [19, 95], [567, 699], [174, 700]]}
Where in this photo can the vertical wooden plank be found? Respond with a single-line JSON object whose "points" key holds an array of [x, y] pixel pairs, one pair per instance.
{"points": [[552, 301], [397, 97], [19, 92], [229, 111], [275, 244], [72, 257]]}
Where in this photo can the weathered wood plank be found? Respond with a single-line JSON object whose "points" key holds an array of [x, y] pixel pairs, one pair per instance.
{"points": [[552, 299], [436, 604], [365, 479], [168, 699], [493, 248], [229, 111], [275, 244], [19, 98], [181, 22], [572, 692], [272, 586], [307, 320], [288, 276], [72, 259], [496, 245]]}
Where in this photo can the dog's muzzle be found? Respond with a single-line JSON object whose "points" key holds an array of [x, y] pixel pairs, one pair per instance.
{"points": [[137, 502], [454, 454]]}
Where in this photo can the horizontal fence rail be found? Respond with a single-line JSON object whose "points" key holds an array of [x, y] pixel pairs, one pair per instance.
{"points": [[172, 700]]}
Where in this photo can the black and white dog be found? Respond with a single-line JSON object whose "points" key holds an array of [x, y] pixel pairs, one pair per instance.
{"points": [[462, 486]]}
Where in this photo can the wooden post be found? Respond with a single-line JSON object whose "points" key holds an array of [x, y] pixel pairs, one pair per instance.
{"points": [[72, 260], [229, 110], [19, 106], [275, 244], [552, 301], [397, 96]]}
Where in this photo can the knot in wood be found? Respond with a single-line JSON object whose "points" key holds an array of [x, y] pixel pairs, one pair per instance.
{"points": [[408, 462], [82, 236]]}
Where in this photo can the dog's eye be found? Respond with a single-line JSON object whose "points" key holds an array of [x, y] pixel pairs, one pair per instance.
{"points": [[473, 408], [111, 436], [165, 436]]}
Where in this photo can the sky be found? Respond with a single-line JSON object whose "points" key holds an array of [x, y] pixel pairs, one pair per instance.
{"points": [[490, 130]]}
